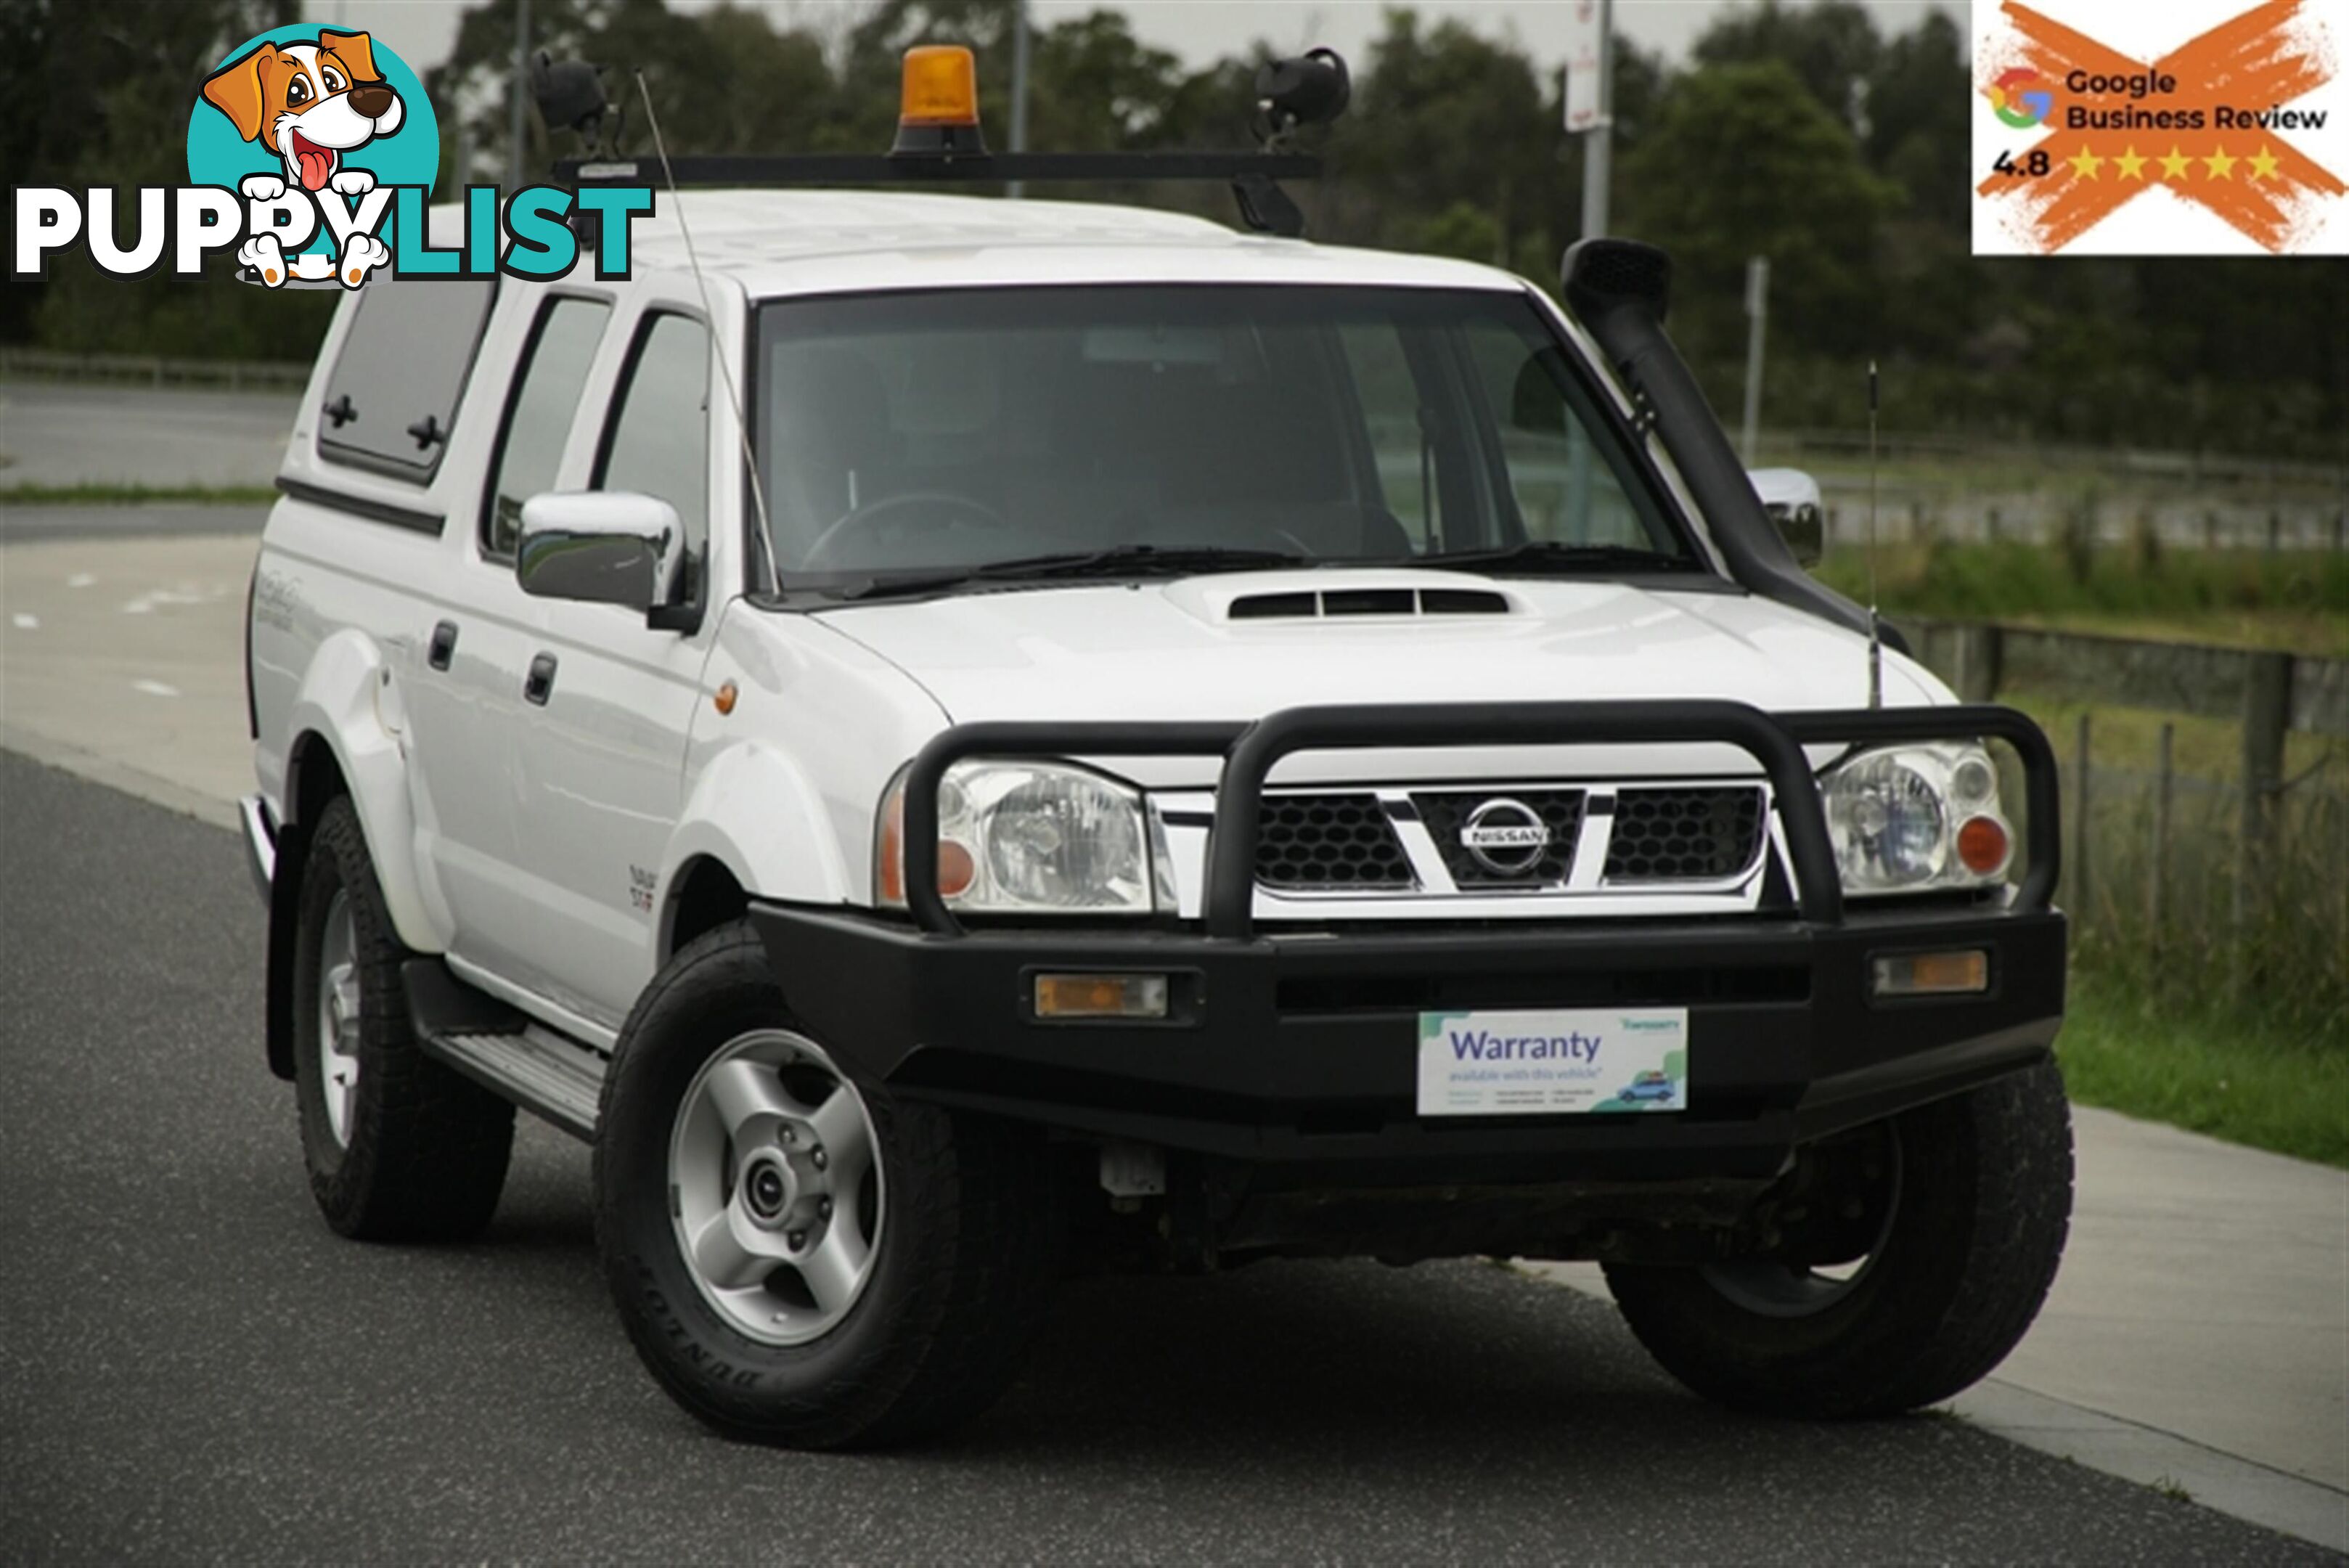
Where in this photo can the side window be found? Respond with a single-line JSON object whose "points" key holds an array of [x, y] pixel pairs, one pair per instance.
{"points": [[1564, 489], [657, 440], [547, 384], [392, 395]]}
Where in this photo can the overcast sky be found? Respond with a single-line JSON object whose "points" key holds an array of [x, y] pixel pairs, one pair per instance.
{"points": [[423, 31]]}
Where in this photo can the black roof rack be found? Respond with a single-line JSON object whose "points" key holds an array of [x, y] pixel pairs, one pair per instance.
{"points": [[1265, 207]]}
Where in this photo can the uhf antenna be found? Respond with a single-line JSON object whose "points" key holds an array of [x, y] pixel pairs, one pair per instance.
{"points": [[693, 258], [1875, 625]]}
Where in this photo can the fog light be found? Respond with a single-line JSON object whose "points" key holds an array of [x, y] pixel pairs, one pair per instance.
{"points": [[1101, 996], [1965, 971]]}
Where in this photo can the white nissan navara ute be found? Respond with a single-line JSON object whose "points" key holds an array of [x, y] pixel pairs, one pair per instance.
{"points": [[962, 740]]}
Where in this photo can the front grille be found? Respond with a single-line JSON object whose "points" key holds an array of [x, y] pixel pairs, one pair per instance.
{"points": [[1683, 835], [1446, 814], [1328, 842]]}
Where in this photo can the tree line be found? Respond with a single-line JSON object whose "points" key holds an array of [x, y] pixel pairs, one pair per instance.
{"points": [[1803, 132]]}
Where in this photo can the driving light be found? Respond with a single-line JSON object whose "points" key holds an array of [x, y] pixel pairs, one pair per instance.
{"points": [[1915, 818], [1101, 996], [1964, 972], [1039, 837], [937, 103]]}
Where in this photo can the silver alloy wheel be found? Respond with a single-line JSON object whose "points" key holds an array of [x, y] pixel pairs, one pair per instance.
{"points": [[338, 1016], [774, 1189]]}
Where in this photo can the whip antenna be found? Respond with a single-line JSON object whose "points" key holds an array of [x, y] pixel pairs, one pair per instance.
{"points": [[726, 373], [1875, 625]]}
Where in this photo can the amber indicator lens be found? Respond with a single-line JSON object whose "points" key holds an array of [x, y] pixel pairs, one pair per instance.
{"points": [[1983, 844], [1961, 973], [1101, 996]]}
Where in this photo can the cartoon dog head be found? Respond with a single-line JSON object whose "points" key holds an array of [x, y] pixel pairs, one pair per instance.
{"points": [[308, 103]]}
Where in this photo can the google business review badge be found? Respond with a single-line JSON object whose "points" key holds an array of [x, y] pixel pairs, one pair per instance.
{"points": [[2194, 128]]}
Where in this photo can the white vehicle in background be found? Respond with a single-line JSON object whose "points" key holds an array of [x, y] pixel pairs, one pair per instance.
{"points": [[1142, 746]]}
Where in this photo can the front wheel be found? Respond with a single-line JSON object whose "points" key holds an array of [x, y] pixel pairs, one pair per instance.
{"points": [[797, 1259], [1922, 1249]]}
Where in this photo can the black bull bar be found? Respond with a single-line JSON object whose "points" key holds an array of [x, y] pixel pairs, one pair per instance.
{"points": [[1251, 750]]}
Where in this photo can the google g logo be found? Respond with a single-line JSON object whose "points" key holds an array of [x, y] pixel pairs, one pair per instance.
{"points": [[2021, 99]]}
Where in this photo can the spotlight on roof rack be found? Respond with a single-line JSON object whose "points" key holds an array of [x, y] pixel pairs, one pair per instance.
{"points": [[1311, 89], [570, 93], [937, 104]]}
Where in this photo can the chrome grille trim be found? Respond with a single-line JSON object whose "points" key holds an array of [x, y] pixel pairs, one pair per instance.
{"points": [[1435, 893]]}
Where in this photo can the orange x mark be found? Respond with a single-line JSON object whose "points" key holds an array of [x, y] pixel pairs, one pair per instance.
{"points": [[2250, 64]]}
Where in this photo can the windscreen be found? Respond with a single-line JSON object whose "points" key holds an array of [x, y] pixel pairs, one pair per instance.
{"points": [[920, 432]]}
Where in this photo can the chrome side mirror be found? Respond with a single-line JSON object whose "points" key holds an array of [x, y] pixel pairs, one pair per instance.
{"points": [[1791, 499], [605, 547]]}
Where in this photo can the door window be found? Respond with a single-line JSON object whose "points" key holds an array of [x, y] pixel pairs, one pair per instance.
{"points": [[657, 442], [553, 373]]}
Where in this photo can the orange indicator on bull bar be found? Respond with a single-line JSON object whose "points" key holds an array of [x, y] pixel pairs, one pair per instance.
{"points": [[1101, 996], [1965, 971]]}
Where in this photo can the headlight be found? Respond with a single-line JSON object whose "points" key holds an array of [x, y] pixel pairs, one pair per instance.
{"points": [[1915, 818], [1032, 837]]}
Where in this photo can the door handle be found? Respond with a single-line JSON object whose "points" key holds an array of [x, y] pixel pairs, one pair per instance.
{"points": [[539, 684], [443, 646]]}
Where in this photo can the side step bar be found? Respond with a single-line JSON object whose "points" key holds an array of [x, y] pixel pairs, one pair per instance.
{"points": [[546, 1073]]}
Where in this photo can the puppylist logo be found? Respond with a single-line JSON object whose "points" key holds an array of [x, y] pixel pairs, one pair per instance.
{"points": [[312, 154], [2197, 128]]}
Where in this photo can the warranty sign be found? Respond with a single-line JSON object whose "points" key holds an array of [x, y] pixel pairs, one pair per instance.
{"points": [[1553, 1060]]}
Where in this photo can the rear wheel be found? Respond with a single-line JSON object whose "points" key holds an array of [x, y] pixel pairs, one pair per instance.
{"points": [[799, 1260], [399, 1147], [1915, 1263]]}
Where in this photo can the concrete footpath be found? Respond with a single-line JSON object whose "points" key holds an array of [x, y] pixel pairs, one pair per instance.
{"points": [[2198, 1336]]}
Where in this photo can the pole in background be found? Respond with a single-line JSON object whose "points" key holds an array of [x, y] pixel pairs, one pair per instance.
{"points": [[1019, 187], [1590, 102], [515, 126], [1757, 310]]}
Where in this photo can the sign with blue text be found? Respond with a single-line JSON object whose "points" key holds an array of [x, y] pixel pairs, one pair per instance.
{"points": [[1553, 1060]]}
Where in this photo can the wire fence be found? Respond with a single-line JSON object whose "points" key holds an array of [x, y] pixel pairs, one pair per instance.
{"points": [[2191, 888]]}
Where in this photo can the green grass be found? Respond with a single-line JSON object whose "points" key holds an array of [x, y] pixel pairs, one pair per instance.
{"points": [[2209, 1069], [134, 494], [2293, 600]]}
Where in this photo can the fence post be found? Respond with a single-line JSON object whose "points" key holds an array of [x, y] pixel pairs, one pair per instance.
{"points": [[2078, 857], [1977, 655], [2156, 892], [2267, 715]]}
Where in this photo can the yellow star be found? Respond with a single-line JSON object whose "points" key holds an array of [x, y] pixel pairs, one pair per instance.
{"points": [[2264, 164], [2173, 167], [2221, 167], [2084, 163], [2131, 166]]}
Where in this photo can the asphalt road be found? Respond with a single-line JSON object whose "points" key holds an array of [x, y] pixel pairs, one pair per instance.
{"points": [[191, 1367]]}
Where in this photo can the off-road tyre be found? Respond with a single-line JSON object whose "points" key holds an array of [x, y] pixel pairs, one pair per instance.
{"points": [[1984, 1203], [427, 1148], [962, 1267]]}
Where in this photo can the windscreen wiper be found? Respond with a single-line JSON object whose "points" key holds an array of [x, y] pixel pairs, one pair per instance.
{"points": [[1552, 556], [1118, 560]]}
